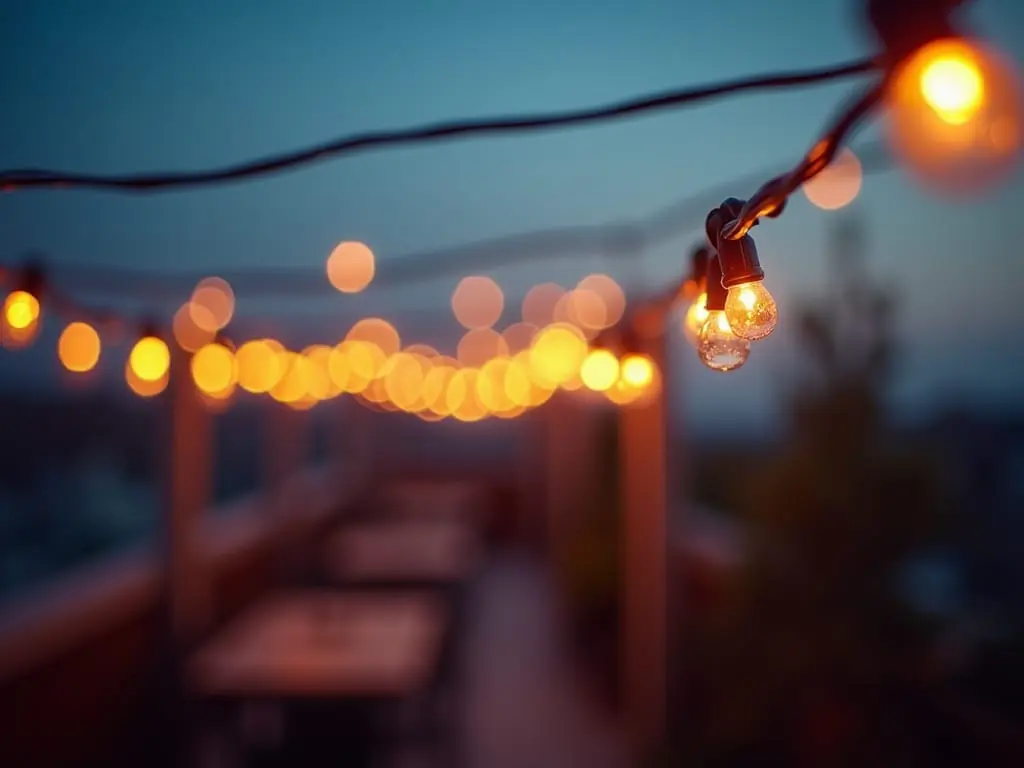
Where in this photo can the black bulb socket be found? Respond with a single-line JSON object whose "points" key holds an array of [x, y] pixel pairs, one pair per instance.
{"points": [[717, 292]]}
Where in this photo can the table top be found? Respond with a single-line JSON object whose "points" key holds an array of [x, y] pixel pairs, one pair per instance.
{"points": [[325, 644], [409, 551]]}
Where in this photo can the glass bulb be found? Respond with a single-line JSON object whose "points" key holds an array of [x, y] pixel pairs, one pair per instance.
{"points": [[719, 348], [751, 311], [695, 317], [955, 115]]}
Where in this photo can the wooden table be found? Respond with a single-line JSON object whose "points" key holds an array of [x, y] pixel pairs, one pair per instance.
{"points": [[314, 644], [411, 552]]}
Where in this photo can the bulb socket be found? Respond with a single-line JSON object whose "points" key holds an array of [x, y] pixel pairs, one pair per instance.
{"points": [[739, 262], [717, 292], [699, 264], [904, 27]]}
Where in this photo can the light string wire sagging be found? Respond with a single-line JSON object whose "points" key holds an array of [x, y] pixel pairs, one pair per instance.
{"points": [[18, 179], [771, 198]]}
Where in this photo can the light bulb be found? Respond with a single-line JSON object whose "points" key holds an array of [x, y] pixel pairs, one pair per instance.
{"points": [[751, 311], [955, 115], [719, 348], [695, 317]]}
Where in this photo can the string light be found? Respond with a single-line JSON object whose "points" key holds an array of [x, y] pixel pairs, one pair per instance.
{"points": [[954, 113], [150, 358], [78, 347]]}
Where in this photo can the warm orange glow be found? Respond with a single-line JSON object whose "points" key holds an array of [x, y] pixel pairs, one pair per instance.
{"points": [[477, 302], [435, 389], [622, 393], [462, 396], [519, 336], [142, 387], [150, 359], [611, 294], [696, 316], [355, 364], [478, 346], [21, 310], [584, 309], [319, 382], [403, 381], [292, 386], [556, 355], [187, 334], [213, 369], [838, 185], [492, 388], [955, 113], [952, 86], [600, 370], [350, 267], [212, 305], [540, 302], [637, 371], [751, 311], [79, 347], [378, 332], [259, 365]]}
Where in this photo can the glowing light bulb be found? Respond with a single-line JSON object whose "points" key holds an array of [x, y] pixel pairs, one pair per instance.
{"points": [[751, 311], [149, 359], [696, 315], [719, 348], [21, 310], [955, 115]]}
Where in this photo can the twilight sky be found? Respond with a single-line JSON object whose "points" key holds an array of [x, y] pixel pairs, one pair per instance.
{"points": [[121, 86]]}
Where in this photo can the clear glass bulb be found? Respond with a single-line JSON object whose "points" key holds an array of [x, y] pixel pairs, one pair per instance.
{"points": [[751, 311], [955, 115], [695, 317], [719, 348]]}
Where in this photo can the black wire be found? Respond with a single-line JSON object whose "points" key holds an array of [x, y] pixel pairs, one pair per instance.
{"points": [[770, 198], [28, 178]]}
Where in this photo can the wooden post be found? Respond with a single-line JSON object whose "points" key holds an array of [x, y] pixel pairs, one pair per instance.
{"points": [[644, 489], [187, 498]]}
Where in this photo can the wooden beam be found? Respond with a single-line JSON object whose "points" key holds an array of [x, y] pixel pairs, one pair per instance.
{"points": [[188, 497], [644, 490]]}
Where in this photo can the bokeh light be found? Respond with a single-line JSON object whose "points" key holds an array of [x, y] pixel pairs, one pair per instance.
{"points": [[519, 336], [144, 387], [478, 346], [214, 370], [187, 334], [955, 114], [403, 381], [584, 309], [292, 386], [21, 310], [213, 304], [259, 365], [557, 354], [611, 293], [351, 267], [637, 371], [378, 332], [150, 359], [477, 302], [540, 302], [600, 370], [838, 185], [78, 347]]}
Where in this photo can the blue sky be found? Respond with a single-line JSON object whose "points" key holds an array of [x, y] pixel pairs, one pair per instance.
{"points": [[119, 86]]}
